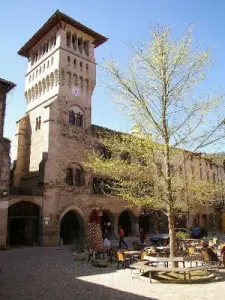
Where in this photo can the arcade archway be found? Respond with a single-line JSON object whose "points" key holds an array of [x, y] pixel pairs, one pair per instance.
{"points": [[23, 224], [125, 221], [107, 222], [71, 227]]}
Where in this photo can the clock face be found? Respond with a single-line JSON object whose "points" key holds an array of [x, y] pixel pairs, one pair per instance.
{"points": [[76, 92]]}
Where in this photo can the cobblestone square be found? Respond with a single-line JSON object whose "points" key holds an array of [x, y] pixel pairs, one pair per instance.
{"points": [[53, 274]]}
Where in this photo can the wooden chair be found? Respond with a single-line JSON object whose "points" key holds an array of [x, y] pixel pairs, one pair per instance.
{"points": [[113, 254], [192, 251], [143, 254], [121, 259], [205, 256]]}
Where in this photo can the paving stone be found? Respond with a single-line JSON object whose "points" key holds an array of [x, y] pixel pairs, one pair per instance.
{"points": [[53, 274]]}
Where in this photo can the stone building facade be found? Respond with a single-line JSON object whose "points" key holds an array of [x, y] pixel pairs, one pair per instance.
{"points": [[51, 194], [5, 88]]}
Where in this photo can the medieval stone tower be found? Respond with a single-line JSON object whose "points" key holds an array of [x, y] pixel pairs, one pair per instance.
{"points": [[60, 79]]}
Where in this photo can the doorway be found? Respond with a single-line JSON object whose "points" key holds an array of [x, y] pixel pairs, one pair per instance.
{"points": [[71, 228], [23, 224], [125, 223]]}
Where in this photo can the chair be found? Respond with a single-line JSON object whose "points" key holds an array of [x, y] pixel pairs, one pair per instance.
{"points": [[205, 256], [191, 251], [143, 254], [112, 254], [121, 259]]}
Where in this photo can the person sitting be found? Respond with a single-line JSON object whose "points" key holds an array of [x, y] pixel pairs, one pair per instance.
{"points": [[212, 255]]}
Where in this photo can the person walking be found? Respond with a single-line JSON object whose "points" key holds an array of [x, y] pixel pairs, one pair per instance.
{"points": [[121, 240]]}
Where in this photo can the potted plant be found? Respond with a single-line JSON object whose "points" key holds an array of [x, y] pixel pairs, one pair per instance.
{"points": [[78, 249]]}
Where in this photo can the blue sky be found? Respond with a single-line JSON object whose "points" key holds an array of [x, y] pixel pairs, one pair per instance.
{"points": [[120, 21]]}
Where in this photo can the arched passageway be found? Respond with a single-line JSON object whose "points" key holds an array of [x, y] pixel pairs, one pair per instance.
{"points": [[196, 220], [181, 222], [125, 221], [107, 222], [162, 221], [144, 222], [205, 221], [23, 224], [71, 227]]}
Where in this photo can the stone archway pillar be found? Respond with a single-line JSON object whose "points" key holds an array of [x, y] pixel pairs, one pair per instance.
{"points": [[51, 231], [136, 229], [3, 220], [115, 225]]}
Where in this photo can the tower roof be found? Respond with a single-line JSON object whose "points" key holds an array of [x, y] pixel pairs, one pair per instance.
{"points": [[51, 22], [6, 86]]}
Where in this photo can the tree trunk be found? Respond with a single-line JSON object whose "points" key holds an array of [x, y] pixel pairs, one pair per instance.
{"points": [[171, 222]]}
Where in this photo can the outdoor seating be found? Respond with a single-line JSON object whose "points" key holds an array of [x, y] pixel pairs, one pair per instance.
{"points": [[122, 260], [192, 251], [152, 265], [143, 255]]}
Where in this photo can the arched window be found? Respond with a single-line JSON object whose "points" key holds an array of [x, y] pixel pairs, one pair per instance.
{"points": [[68, 60], [52, 60], [43, 85], [87, 85], [40, 88], [87, 67], [51, 80], [40, 70], [69, 77], [36, 91], [39, 123], [74, 41], [68, 39], [56, 76], [69, 176], [86, 47], [78, 177], [74, 175], [48, 64], [29, 96], [44, 68], [76, 116], [75, 79], [75, 63], [47, 83], [71, 117], [80, 44], [81, 65], [81, 84]]}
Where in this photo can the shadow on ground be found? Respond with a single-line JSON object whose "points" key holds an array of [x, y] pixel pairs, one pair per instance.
{"points": [[51, 274]]}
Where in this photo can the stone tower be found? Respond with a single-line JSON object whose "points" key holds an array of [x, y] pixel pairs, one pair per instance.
{"points": [[60, 79]]}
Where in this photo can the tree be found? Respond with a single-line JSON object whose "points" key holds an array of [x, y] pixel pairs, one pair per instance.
{"points": [[158, 94]]}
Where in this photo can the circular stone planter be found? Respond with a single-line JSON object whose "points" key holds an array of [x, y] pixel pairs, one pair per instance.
{"points": [[80, 256], [99, 262]]}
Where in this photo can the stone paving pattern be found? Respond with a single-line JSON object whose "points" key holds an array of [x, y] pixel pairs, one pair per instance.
{"points": [[53, 274]]}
